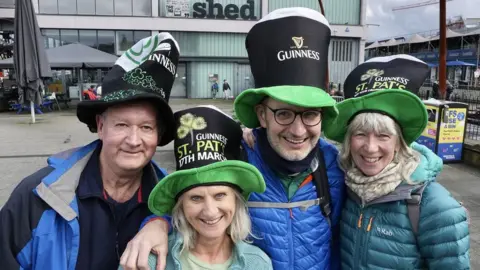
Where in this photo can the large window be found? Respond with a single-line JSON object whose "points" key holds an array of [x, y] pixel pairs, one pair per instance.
{"points": [[142, 8], [123, 7], [113, 42], [104, 7], [106, 41], [139, 35], [7, 3], [48, 6], [124, 41], [69, 36], [95, 7], [67, 6], [88, 37], [86, 7], [51, 38]]}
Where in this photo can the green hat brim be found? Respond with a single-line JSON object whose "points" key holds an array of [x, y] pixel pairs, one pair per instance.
{"points": [[404, 107], [302, 96], [162, 198]]}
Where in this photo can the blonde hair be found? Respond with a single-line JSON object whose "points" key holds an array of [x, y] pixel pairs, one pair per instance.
{"points": [[377, 123], [239, 229]]}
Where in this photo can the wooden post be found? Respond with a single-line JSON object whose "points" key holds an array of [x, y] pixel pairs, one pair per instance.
{"points": [[442, 62]]}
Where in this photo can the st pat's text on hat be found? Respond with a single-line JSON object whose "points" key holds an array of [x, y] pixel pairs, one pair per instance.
{"points": [[386, 85], [207, 152]]}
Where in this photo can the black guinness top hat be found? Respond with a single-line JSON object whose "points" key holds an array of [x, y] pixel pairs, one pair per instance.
{"points": [[288, 53], [144, 72], [207, 152], [386, 85]]}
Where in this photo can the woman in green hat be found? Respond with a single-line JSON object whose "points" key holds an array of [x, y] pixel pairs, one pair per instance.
{"points": [[396, 215], [206, 196]]}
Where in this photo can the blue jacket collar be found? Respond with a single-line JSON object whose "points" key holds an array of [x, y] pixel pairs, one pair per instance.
{"points": [[58, 189]]}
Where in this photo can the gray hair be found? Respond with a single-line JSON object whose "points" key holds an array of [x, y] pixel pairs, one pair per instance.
{"points": [[377, 123], [239, 229]]}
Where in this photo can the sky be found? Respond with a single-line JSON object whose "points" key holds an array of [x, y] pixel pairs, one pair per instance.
{"points": [[413, 20]]}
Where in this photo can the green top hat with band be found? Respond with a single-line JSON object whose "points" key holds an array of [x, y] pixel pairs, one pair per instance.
{"points": [[144, 72], [386, 85], [288, 54], [207, 152]]}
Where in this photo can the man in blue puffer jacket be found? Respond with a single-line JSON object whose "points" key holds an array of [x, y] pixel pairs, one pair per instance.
{"points": [[290, 105], [287, 107], [81, 210]]}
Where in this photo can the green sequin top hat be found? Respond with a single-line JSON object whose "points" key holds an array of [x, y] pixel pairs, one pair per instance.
{"points": [[144, 72]]}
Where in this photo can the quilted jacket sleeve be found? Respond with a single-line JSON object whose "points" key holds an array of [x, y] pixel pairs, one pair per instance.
{"points": [[443, 238], [336, 179]]}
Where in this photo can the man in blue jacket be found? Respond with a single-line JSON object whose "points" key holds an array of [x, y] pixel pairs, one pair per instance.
{"points": [[81, 210], [295, 221], [287, 108]]}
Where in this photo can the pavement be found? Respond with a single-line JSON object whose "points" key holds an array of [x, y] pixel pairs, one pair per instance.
{"points": [[25, 147]]}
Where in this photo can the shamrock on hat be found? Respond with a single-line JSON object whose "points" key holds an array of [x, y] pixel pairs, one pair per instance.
{"points": [[386, 85], [144, 72], [207, 152]]}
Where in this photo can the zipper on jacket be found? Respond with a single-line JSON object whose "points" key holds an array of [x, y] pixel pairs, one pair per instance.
{"points": [[359, 222], [369, 227], [290, 240], [366, 238], [358, 241]]}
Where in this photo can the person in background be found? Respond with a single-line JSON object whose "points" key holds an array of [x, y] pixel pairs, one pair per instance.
{"points": [[90, 94], [214, 89], [207, 197], [396, 215], [98, 91], [449, 90], [226, 89]]}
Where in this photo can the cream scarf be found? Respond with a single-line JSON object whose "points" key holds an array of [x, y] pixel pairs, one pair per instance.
{"points": [[369, 188]]}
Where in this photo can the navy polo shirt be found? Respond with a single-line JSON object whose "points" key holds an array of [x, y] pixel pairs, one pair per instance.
{"points": [[106, 226]]}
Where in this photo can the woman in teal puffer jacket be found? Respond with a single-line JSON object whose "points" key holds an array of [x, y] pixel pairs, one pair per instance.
{"points": [[396, 215]]}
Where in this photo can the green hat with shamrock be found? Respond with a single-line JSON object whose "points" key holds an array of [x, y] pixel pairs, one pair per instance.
{"points": [[207, 152], [387, 85]]}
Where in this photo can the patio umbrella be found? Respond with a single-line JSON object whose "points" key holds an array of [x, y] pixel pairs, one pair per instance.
{"points": [[458, 63], [29, 57]]}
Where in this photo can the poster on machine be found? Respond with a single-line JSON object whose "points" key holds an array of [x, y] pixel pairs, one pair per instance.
{"points": [[451, 136], [429, 135], [177, 8]]}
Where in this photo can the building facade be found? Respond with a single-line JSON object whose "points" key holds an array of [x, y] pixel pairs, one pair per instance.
{"points": [[211, 33], [462, 55]]}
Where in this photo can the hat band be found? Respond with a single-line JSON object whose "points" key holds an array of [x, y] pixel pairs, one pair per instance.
{"points": [[237, 188]]}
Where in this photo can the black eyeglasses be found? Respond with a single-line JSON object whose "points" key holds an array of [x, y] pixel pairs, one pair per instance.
{"points": [[285, 117]]}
